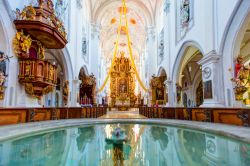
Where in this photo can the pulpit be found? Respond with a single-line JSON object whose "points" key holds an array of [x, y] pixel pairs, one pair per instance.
{"points": [[37, 29], [122, 83], [88, 90]]}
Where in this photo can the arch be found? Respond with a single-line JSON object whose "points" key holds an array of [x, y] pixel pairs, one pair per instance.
{"points": [[64, 60], [180, 56], [7, 34], [230, 44]]}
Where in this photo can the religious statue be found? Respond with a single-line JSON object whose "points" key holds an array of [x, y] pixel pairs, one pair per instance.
{"points": [[2, 78], [51, 72], [3, 75], [65, 92], [238, 65], [22, 43], [18, 14], [61, 7], [3, 59], [241, 79], [185, 13]]}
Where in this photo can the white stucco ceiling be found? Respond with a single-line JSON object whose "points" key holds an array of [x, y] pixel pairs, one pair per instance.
{"points": [[144, 12]]}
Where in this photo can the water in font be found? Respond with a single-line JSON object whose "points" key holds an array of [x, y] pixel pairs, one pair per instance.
{"points": [[139, 145]]}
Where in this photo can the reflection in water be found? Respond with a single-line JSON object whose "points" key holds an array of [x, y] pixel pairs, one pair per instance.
{"points": [[137, 145], [245, 154], [44, 149], [117, 144], [86, 134], [193, 146], [159, 134]]}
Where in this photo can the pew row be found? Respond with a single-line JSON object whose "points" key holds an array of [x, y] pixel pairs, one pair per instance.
{"points": [[10, 116], [231, 116]]}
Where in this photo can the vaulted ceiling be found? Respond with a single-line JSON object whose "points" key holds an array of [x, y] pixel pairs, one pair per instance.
{"points": [[141, 15]]}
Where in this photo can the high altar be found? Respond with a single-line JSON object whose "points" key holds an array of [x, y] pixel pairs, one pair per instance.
{"points": [[122, 83]]}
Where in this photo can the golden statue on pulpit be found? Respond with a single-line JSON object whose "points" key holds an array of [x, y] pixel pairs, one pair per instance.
{"points": [[122, 83]]}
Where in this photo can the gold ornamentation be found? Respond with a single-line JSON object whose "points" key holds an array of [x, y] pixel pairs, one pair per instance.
{"points": [[41, 50], [2, 89], [2, 78], [48, 89], [51, 72], [122, 84], [29, 89], [241, 80], [27, 69], [22, 43], [158, 90], [28, 13]]}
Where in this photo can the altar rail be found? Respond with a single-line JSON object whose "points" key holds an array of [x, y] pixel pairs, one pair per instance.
{"points": [[231, 116], [10, 116]]}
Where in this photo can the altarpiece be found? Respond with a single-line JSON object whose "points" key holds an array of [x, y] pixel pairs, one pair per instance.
{"points": [[122, 83]]}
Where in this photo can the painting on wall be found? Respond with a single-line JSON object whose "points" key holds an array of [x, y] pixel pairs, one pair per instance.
{"points": [[160, 93], [208, 93]]}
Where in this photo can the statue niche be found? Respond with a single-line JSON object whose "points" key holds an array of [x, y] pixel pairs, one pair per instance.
{"points": [[122, 83]]}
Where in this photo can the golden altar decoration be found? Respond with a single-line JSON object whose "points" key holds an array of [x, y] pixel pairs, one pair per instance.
{"points": [[158, 90], [122, 83], [242, 81]]}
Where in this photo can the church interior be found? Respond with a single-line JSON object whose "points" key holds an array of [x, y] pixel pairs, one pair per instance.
{"points": [[125, 82]]}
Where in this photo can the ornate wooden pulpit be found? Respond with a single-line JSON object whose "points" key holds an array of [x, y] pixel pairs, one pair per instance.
{"points": [[38, 29]]}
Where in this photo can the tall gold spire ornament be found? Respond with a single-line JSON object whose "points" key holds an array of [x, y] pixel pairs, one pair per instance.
{"points": [[123, 13]]}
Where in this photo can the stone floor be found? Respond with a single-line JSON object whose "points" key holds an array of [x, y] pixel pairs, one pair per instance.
{"points": [[115, 114]]}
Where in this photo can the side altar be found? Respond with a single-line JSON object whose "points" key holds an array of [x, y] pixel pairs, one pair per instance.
{"points": [[122, 84]]}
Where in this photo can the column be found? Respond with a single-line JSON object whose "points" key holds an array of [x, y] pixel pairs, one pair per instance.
{"points": [[171, 96], [95, 52], [152, 52], [75, 92], [213, 91]]}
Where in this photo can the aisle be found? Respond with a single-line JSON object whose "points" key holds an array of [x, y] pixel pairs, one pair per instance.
{"points": [[115, 114]]}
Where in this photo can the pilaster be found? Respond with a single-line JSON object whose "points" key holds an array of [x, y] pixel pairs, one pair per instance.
{"points": [[212, 80]]}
